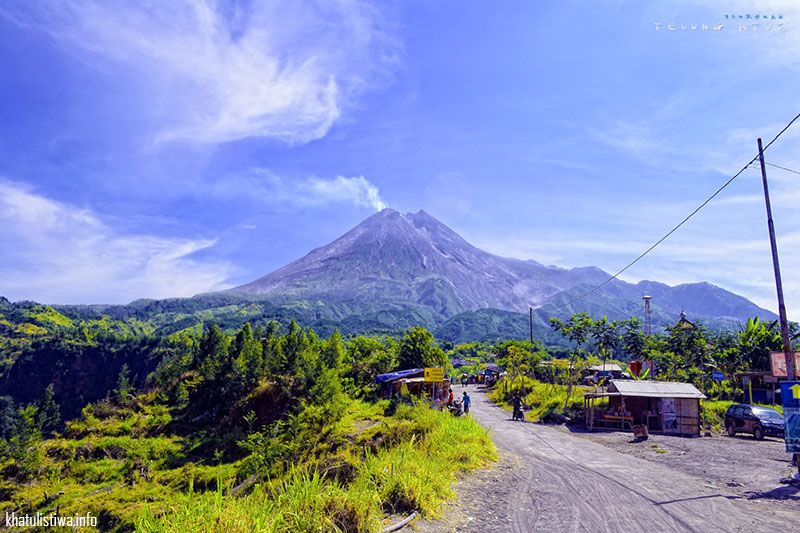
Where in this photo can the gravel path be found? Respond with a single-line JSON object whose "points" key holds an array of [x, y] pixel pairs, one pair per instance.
{"points": [[747, 467], [551, 480]]}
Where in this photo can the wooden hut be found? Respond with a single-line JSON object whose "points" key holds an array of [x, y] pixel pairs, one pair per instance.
{"points": [[663, 406]]}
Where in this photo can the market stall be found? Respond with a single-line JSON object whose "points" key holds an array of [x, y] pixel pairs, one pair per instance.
{"points": [[662, 406]]}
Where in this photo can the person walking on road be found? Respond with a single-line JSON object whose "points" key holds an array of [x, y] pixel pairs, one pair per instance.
{"points": [[466, 401], [517, 403]]}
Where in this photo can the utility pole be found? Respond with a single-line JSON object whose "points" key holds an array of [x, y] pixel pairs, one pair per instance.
{"points": [[530, 315], [787, 346]]}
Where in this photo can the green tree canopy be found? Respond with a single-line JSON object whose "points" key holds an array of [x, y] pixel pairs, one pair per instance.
{"points": [[418, 349], [48, 413], [213, 352]]}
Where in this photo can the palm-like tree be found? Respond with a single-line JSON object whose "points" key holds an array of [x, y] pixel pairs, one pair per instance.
{"points": [[577, 330]]}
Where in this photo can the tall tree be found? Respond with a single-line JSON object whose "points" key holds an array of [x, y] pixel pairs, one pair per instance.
{"points": [[577, 330], [418, 349], [333, 352], [756, 340], [213, 352], [8, 417], [246, 360], [124, 386], [366, 358], [275, 361], [688, 341], [48, 412], [633, 339], [295, 343], [606, 337]]}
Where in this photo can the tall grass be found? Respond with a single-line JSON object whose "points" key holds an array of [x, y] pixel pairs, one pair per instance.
{"points": [[414, 475], [547, 401]]}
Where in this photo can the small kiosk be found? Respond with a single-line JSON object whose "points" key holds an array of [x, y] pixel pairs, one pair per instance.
{"points": [[411, 382], [663, 406], [391, 382]]}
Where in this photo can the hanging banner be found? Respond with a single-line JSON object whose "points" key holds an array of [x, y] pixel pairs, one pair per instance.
{"points": [[779, 364]]}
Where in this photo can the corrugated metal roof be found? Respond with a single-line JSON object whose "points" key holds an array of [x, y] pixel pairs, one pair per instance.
{"points": [[610, 367], [654, 389], [393, 376]]}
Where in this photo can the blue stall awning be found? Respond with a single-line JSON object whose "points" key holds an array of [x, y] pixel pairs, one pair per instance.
{"points": [[392, 376]]}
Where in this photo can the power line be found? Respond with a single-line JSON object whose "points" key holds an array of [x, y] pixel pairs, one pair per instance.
{"points": [[782, 168], [681, 223]]}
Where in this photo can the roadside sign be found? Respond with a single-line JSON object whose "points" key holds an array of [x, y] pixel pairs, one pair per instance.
{"points": [[718, 376], [779, 364], [434, 374], [790, 398], [795, 391]]}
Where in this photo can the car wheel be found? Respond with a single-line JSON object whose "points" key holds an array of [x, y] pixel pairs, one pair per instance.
{"points": [[758, 433], [731, 429]]}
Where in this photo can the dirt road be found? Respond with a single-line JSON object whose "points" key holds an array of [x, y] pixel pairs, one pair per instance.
{"points": [[553, 481]]}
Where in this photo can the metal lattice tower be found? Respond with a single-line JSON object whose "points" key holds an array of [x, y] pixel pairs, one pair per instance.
{"points": [[648, 315]]}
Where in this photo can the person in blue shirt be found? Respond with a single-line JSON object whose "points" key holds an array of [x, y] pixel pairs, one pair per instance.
{"points": [[466, 401]]}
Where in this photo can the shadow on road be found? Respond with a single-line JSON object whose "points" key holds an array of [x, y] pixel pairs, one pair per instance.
{"points": [[787, 492], [697, 498]]}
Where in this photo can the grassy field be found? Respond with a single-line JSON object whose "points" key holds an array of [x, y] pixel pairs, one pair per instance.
{"points": [[546, 402], [416, 474], [120, 465]]}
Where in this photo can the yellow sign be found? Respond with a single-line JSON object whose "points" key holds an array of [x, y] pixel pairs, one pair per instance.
{"points": [[795, 391], [434, 374]]}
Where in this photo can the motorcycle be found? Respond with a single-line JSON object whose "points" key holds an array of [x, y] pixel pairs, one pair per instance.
{"points": [[456, 408]]}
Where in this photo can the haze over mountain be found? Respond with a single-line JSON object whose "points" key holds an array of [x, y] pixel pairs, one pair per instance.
{"points": [[413, 260]]}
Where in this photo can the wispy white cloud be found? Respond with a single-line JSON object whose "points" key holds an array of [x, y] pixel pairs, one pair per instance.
{"points": [[60, 253], [695, 127], [281, 70], [636, 139], [356, 190], [271, 189]]}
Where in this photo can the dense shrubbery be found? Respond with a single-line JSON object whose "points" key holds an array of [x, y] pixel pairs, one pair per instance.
{"points": [[410, 464], [276, 428], [685, 352], [545, 402], [261, 429]]}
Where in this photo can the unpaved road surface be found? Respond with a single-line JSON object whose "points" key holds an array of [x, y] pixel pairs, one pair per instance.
{"points": [[551, 480], [747, 467]]}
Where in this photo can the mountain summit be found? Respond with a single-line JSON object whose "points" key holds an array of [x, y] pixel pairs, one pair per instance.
{"points": [[393, 260], [414, 258]]}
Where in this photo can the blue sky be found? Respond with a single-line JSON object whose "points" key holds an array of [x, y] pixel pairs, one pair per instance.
{"points": [[198, 145]]}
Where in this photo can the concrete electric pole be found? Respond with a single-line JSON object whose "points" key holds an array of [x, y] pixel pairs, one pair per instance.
{"points": [[787, 345]]}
